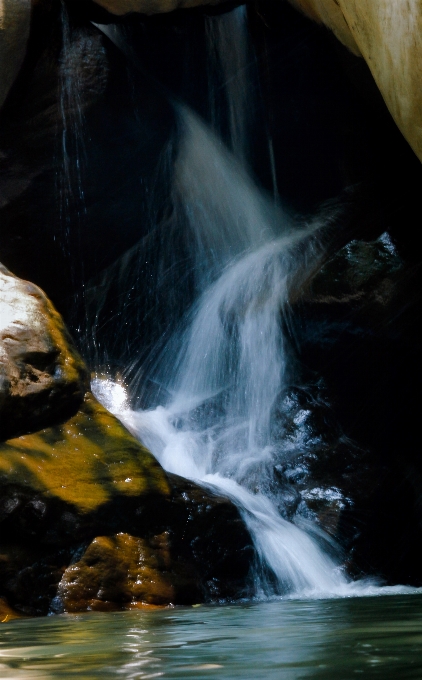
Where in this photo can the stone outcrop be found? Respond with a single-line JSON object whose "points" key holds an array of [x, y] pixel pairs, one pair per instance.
{"points": [[88, 517], [15, 16], [125, 570], [42, 376], [387, 35]]}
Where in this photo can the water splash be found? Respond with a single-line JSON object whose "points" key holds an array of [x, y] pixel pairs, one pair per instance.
{"points": [[226, 368]]}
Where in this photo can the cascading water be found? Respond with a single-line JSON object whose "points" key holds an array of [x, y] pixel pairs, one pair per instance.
{"points": [[226, 364], [228, 64], [230, 365]]}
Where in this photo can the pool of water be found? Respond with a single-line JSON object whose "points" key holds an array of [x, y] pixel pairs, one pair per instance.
{"points": [[369, 637]]}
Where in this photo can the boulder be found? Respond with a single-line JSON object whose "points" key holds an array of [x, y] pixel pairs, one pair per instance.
{"points": [[387, 35], [90, 520], [88, 517], [15, 16], [125, 571], [42, 376]]}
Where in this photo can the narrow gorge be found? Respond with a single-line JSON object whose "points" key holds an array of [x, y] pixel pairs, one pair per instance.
{"points": [[209, 302]]}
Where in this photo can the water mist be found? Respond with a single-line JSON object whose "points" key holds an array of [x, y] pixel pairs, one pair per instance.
{"points": [[226, 362]]}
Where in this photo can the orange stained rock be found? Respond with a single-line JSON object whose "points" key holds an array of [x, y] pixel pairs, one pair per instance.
{"points": [[121, 572], [84, 461]]}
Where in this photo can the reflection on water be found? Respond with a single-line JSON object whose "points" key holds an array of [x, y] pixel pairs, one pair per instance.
{"points": [[374, 637]]}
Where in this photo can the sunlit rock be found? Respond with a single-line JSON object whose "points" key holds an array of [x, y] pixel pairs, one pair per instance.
{"points": [[387, 34], [151, 6], [42, 376], [15, 18], [158, 538], [81, 485], [85, 461], [123, 571]]}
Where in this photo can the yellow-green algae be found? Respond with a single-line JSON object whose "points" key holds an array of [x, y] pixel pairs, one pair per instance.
{"points": [[84, 461]]}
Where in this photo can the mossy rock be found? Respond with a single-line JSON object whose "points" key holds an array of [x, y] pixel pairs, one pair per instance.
{"points": [[85, 461], [87, 486]]}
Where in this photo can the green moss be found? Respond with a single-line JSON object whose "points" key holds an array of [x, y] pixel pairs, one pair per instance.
{"points": [[84, 461]]}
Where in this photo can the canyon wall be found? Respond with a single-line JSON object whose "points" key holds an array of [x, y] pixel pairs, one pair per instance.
{"points": [[14, 31], [387, 35]]}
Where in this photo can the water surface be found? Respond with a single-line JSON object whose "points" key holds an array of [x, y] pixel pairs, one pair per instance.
{"points": [[338, 639]]}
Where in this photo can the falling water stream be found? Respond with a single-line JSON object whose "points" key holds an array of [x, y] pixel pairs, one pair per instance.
{"points": [[226, 367], [227, 361], [221, 373]]}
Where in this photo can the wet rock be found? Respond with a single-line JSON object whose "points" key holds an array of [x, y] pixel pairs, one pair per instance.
{"points": [[15, 16], [86, 487], [387, 36], [355, 292], [356, 327], [42, 376], [82, 503], [123, 571], [84, 462], [318, 465]]}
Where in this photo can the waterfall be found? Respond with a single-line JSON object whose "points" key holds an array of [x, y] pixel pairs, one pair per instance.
{"points": [[228, 66], [70, 179], [227, 363]]}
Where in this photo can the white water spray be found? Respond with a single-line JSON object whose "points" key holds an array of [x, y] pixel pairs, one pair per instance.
{"points": [[230, 365], [225, 368]]}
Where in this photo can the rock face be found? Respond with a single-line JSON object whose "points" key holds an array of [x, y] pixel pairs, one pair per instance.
{"points": [[387, 35], [151, 6], [42, 376], [84, 505], [359, 470], [15, 18], [88, 518]]}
